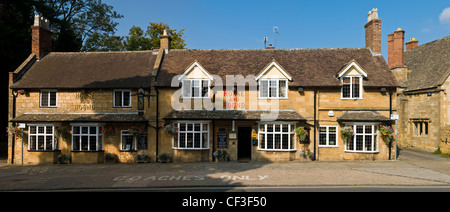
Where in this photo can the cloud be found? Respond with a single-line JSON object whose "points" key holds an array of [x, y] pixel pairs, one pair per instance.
{"points": [[444, 17]]}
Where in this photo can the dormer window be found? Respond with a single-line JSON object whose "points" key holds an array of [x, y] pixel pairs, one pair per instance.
{"points": [[273, 88], [195, 88], [351, 87], [273, 82], [195, 82], [351, 77]]}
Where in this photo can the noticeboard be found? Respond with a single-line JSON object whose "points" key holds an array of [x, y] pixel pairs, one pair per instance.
{"points": [[142, 142], [221, 140]]}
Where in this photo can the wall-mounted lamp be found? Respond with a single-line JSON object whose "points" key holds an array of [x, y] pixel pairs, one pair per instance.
{"points": [[383, 89], [300, 89]]}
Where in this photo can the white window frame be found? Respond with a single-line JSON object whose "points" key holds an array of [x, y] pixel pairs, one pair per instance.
{"points": [[276, 86], [327, 134], [133, 146], [54, 142], [291, 128], [49, 91], [99, 138], [122, 97], [176, 138], [351, 87], [191, 87], [374, 138]]}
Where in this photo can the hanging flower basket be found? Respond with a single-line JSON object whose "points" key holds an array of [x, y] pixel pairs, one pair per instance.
{"points": [[14, 131], [302, 134], [171, 128], [387, 133], [347, 132], [62, 131], [107, 130], [135, 131]]}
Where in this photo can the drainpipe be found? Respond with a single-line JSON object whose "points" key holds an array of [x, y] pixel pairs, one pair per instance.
{"points": [[157, 122], [315, 122], [390, 113]]}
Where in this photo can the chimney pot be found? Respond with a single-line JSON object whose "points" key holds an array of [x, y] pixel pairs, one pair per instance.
{"points": [[164, 40], [412, 44]]}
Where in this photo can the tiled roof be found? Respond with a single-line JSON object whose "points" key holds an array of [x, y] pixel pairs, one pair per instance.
{"points": [[282, 115], [308, 67], [90, 70], [428, 64]]}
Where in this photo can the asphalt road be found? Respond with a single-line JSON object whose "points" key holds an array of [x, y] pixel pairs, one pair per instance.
{"points": [[413, 171]]}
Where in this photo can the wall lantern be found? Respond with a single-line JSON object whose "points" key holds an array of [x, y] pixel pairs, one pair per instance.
{"points": [[383, 89], [141, 94]]}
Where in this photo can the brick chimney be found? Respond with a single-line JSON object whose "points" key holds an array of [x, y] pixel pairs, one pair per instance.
{"points": [[411, 44], [164, 40], [373, 31], [396, 48], [41, 37]]}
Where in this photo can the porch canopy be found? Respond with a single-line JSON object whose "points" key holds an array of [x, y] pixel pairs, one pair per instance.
{"points": [[252, 115], [359, 116], [79, 118]]}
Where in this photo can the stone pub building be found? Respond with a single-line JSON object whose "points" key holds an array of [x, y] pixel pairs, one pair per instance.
{"points": [[191, 103]]}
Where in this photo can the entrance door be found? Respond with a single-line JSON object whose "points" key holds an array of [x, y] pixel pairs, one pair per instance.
{"points": [[244, 143]]}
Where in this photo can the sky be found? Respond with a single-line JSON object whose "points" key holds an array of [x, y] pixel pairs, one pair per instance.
{"points": [[243, 24]]}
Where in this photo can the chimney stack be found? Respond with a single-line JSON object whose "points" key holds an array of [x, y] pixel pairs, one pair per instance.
{"points": [[411, 44], [396, 48], [41, 37], [165, 40], [373, 31]]}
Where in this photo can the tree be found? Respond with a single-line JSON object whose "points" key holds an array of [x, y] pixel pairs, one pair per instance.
{"points": [[75, 22], [155, 30], [138, 40]]}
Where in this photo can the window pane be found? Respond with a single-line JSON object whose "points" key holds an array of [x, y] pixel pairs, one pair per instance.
{"points": [[40, 142], [346, 91], [93, 130], [182, 127], [48, 142], [190, 140], [331, 138], [84, 130], [84, 143], [425, 126], [44, 98], [285, 141], [41, 130], [263, 88], [355, 91], [262, 141], [182, 140], [76, 142], [126, 98], [92, 143], [76, 130], [205, 140], [269, 141], [205, 88], [32, 143], [186, 88], [118, 98], [196, 140], [52, 98], [282, 88], [359, 142], [277, 141], [32, 129], [368, 143]]}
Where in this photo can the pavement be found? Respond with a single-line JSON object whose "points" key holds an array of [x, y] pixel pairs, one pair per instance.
{"points": [[410, 169]]}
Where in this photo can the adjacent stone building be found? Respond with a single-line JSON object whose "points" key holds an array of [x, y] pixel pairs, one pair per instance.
{"points": [[424, 102], [254, 104]]}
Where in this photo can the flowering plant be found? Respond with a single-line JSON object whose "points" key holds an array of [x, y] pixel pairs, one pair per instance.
{"points": [[14, 130], [387, 133], [305, 152], [302, 133], [221, 154], [62, 130], [107, 130], [347, 132], [135, 131], [171, 128]]}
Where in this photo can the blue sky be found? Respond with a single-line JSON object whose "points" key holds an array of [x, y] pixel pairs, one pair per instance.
{"points": [[243, 24]]}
